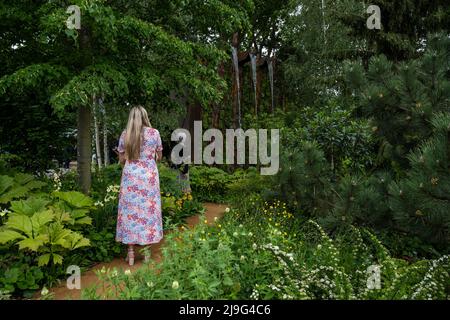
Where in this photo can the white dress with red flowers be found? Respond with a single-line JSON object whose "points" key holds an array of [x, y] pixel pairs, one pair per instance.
{"points": [[139, 218]]}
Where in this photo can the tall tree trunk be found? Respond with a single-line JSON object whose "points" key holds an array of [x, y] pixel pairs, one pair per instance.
{"points": [[194, 113], [98, 150], [235, 42], [323, 22], [84, 152], [84, 139], [105, 134], [258, 84]]}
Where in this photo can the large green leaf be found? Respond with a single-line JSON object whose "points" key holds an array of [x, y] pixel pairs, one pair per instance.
{"points": [[39, 219], [57, 234], [62, 217], [84, 220], [5, 183], [44, 260], [33, 243], [29, 206], [76, 240], [35, 184], [57, 259], [9, 235], [23, 178], [74, 198], [20, 223], [14, 193]]}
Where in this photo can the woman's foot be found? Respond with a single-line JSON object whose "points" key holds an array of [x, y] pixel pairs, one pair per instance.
{"points": [[130, 256]]}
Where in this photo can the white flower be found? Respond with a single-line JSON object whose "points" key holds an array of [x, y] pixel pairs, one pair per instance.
{"points": [[216, 218], [4, 212], [227, 210], [250, 234], [255, 246], [235, 234], [242, 258], [127, 272], [44, 291], [175, 285]]}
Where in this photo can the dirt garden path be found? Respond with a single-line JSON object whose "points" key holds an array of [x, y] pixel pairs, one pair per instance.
{"points": [[89, 278]]}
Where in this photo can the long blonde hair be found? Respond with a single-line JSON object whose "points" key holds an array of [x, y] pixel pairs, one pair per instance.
{"points": [[137, 119]]}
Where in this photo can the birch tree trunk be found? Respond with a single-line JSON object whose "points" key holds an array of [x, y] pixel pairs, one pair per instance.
{"points": [[84, 148], [97, 134], [105, 134]]}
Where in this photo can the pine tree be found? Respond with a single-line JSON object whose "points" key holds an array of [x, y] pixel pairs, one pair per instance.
{"points": [[359, 200], [304, 179], [401, 98], [421, 201]]}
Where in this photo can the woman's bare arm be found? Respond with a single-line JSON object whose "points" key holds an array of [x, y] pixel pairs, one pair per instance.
{"points": [[122, 158], [158, 156]]}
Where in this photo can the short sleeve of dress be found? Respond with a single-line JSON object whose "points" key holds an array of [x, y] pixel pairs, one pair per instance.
{"points": [[159, 147], [121, 146]]}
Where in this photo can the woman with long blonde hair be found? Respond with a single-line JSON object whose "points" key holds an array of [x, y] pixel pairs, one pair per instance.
{"points": [[139, 220]]}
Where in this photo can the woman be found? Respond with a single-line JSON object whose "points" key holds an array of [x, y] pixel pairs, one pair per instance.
{"points": [[139, 220]]}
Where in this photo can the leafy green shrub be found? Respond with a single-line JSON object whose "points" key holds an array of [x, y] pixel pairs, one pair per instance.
{"points": [[240, 259], [304, 179], [44, 230], [19, 272], [168, 180], [10, 164], [103, 248], [18, 186], [105, 177], [247, 182], [209, 183], [348, 144], [175, 209]]}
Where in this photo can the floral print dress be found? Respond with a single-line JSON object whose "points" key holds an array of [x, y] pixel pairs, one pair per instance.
{"points": [[139, 218]]}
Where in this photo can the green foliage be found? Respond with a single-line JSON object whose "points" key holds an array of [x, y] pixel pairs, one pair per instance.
{"points": [[209, 183], [240, 259], [176, 208], [420, 200], [19, 272], [359, 200], [35, 227], [168, 180], [400, 100], [246, 182], [304, 179], [40, 232], [18, 186], [347, 143], [103, 247]]}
